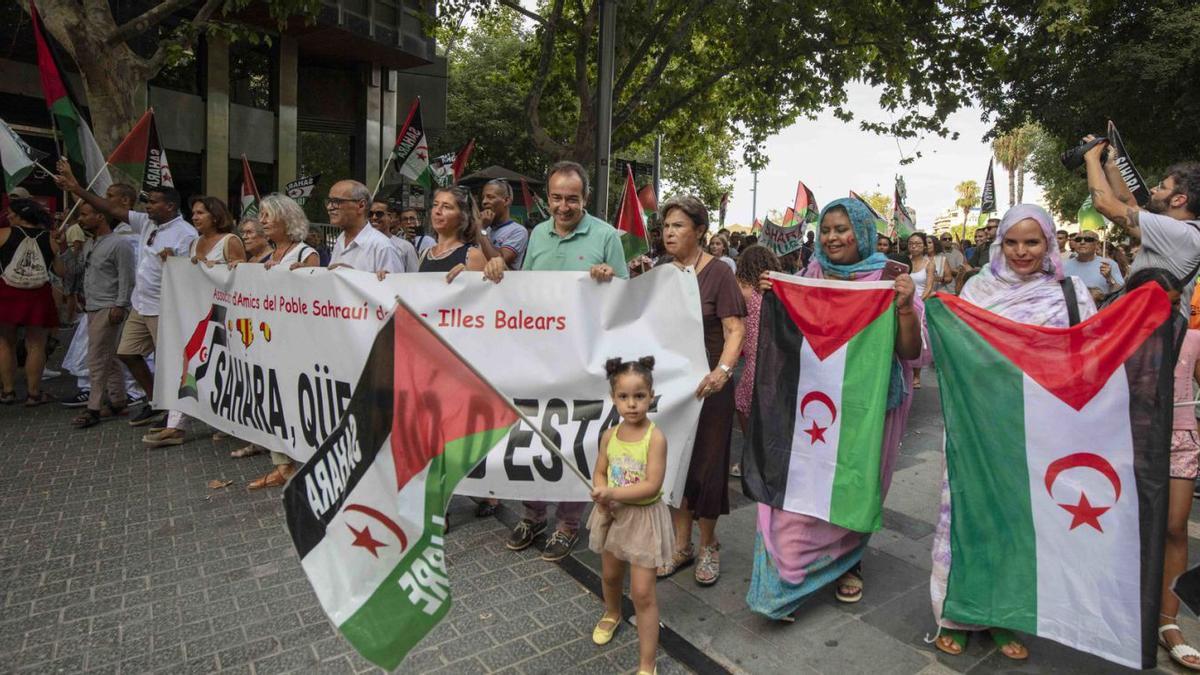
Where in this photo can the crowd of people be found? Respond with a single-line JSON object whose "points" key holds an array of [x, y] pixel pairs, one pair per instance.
{"points": [[1017, 266]]}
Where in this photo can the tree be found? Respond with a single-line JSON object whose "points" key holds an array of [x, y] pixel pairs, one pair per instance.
{"points": [[880, 202], [1072, 66], [1012, 150], [107, 52], [968, 198], [741, 71]]}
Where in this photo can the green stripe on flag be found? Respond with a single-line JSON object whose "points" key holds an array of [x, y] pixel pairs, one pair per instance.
{"points": [[856, 497], [632, 245], [993, 543], [390, 624]]}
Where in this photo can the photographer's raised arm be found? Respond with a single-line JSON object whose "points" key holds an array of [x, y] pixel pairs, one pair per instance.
{"points": [[1105, 197], [66, 180]]}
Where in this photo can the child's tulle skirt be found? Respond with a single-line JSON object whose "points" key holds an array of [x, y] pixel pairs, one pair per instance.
{"points": [[639, 535]]}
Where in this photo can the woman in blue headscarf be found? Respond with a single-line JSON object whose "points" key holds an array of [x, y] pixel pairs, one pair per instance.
{"points": [[796, 555]]}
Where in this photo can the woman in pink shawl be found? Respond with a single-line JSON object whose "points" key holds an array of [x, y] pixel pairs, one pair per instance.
{"points": [[796, 555], [1022, 282]]}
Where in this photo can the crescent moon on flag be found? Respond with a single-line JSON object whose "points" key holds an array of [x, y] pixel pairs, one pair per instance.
{"points": [[1086, 460], [822, 398], [383, 520]]}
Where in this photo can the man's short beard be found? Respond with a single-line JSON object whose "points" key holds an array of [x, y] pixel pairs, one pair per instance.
{"points": [[1158, 206]]}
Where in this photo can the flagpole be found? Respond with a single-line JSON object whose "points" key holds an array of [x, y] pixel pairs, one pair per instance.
{"points": [[549, 444], [382, 173], [74, 206]]}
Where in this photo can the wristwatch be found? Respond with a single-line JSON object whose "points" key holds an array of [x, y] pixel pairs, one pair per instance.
{"points": [[726, 369]]}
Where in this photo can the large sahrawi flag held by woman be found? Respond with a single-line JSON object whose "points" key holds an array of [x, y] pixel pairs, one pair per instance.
{"points": [[1057, 444], [820, 396], [365, 512]]}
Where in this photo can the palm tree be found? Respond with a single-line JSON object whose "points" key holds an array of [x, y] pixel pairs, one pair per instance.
{"points": [[1012, 151], [968, 197]]}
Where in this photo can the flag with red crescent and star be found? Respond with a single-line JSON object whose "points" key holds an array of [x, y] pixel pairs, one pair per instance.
{"points": [[366, 511], [824, 364], [1057, 455]]}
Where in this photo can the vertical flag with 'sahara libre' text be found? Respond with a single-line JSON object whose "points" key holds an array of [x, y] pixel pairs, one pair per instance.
{"points": [[366, 511], [825, 352], [1057, 452], [411, 153]]}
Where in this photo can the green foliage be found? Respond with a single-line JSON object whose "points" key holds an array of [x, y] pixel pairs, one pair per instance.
{"points": [[713, 75], [968, 197], [1072, 65], [880, 202]]}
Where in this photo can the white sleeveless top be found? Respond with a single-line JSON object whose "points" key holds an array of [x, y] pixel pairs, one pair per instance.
{"points": [[298, 254], [216, 254], [919, 280]]}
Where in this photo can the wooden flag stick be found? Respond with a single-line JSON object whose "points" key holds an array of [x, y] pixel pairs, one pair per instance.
{"points": [[67, 218], [382, 173], [550, 445]]}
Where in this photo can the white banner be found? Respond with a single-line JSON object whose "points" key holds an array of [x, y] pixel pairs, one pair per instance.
{"points": [[278, 360]]}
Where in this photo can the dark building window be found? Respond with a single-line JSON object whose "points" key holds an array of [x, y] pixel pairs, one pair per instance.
{"points": [[328, 154], [251, 75], [183, 75]]}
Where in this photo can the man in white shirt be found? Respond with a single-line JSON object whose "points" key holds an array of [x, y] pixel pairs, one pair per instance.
{"points": [[358, 247], [162, 232], [378, 215]]}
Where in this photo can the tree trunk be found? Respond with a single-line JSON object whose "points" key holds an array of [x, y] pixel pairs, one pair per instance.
{"points": [[1011, 187], [113, 75], [1021, 185]]}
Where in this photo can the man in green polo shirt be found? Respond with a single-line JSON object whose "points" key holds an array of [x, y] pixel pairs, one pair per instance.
{"points": [[571, 241]]}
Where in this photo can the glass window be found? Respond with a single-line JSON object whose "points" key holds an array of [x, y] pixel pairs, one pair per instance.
{"points": [[328, 154], [251, 75]]}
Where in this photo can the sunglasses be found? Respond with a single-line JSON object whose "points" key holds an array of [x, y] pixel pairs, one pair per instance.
{"points": [[378, 214], [1086, 240]]}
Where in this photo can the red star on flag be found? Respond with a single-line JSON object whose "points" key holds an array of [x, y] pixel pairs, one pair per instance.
{"points": [[816, 433], [364, 539], [1084, 513]]}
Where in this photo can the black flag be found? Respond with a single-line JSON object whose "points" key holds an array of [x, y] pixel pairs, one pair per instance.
{"points": [[988, 202], [1129, 173]]}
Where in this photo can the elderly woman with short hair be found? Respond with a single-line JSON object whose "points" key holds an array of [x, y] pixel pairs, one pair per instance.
{"points": [[286, 226], [706, 492]]}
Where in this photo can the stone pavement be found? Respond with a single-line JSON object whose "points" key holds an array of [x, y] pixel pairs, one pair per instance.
{"points": [[114, 558]]}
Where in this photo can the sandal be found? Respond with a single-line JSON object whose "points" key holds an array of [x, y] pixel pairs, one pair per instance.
{"points": [[679, 560], [1005, 638], [853, 581], [85, 419], [274, 479], [8, 398], [1180, 651], [951, 641], [247, 451], [109, 410], [708, 569], [601, 635], [34, 400]]}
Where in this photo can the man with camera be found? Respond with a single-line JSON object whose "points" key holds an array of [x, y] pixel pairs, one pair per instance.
{"points": [[1167, 227]]}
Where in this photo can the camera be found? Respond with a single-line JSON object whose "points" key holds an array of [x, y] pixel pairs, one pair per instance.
{"points": [[1073, 159]]}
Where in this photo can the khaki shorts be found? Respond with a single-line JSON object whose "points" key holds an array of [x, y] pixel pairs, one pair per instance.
{"points": [[139, 336]]}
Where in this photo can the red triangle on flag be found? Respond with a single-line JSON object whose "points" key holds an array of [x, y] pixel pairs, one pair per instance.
{"points": [[830, 313], [1072, 363], [629, 218]]}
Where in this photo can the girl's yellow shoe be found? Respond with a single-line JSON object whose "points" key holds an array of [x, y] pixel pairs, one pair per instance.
{"points": [[602, 635]]}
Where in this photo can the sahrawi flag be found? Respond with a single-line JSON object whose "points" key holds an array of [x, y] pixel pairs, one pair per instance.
{"points": [[16, 156], [142, 157], [87, 161], [365, 512], [411, 153], [631, 222], [249, 190], [820, 394], [1057, 451], [302, 188]]}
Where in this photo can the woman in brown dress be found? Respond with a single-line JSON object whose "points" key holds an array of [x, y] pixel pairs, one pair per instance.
{"points": [[706, 493]]}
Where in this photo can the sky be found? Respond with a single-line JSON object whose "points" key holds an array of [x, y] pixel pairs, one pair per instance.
{"points": [[833, 157]]}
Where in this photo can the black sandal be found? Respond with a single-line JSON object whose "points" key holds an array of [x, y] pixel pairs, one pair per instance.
{"points": [[8, 398], [34, 400], [87, 418]]}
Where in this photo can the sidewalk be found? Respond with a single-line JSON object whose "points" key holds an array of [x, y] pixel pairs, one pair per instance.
{"points": [[115, 558]]}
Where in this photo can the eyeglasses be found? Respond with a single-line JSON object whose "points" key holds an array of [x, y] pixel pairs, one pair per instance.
{"points": [[947, 239], [410, 219], [377, 214], [1086, 240], [337, 202]]}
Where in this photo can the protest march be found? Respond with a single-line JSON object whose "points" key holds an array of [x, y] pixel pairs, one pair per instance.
{"points": [[297, 392]]}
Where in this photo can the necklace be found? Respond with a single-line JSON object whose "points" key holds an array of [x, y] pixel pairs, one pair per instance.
{"points": [[699, 255], [285, 252]]}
